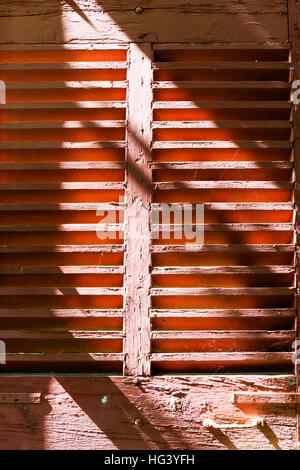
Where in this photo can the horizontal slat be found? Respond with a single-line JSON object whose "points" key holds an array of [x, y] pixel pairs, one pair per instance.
{"points": [[274, 144], [66, 105], [53, 186], [215, 335], [222, 313], [69, 65], [61, 358], [60, 313], [60, 145], [61, 290], [59, 335], [101, 206], [221, 227], [222, 270], [234, 205], [88, 46], [115, 206], [223, 357], [156, 166], [155, 145], [279, 124], [62, 228], [222, 248], [65, 85], [220, 165], [265, 398], [62, 270], [271, 65], [217, 46], [220, 185], [22, 398], [222, 105], [223, 291], [63, 125], [63, 249], [155, 228], [63, 166], [222, 84]]}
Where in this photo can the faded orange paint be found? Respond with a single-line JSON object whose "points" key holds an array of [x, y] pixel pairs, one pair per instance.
{"points": [[75, 319]]}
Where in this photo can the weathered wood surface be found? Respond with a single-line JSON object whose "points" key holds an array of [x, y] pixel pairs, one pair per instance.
{"points": [[294, 37], [157, 412], [145, 413], [49, 21], [264, 398], [138, 198]]}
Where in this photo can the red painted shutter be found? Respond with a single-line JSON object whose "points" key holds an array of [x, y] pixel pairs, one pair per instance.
{"points": [[222, 137], [62, 159]]}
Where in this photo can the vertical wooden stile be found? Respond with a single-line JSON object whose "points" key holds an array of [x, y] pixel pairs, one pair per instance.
{"points": [[138, 200], [295, 43]]}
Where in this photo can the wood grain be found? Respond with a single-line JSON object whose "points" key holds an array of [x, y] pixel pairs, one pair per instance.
{"points": [[102, 412]]}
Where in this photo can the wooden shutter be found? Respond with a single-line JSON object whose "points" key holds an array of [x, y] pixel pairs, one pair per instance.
{"points": [[63, 142], [222, 137]]}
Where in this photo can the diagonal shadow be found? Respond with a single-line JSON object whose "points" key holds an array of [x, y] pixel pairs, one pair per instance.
{"points": [[103, 421]]}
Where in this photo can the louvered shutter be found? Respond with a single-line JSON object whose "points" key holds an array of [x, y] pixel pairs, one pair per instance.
{"points": [[63, 142], [222, 137]]}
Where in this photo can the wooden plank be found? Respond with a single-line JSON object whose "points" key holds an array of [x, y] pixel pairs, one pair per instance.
{"points": [[138, 197], [219, 165], [222, 144], [60, 313], [64, 85], [89, 24], [218, 185], [62, 249], [54, 186], [249, 85], [288, 291], [63, 125], [67, 105], [84, 206], [202, 270], [265, 398], [293, 20], [222, 248], [58, 291], [88, 46], [62, 270], [264, 227], [222, 356], [214, 206], [73, 65], [63, 166], [119, 227], [226, 335], [222, 105], [238, 65], [215, 46], [223, 313], [61, 145], [62, 358], [60, 335], [280, 124], [102, 412], [13, 398], [62, 228]]}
